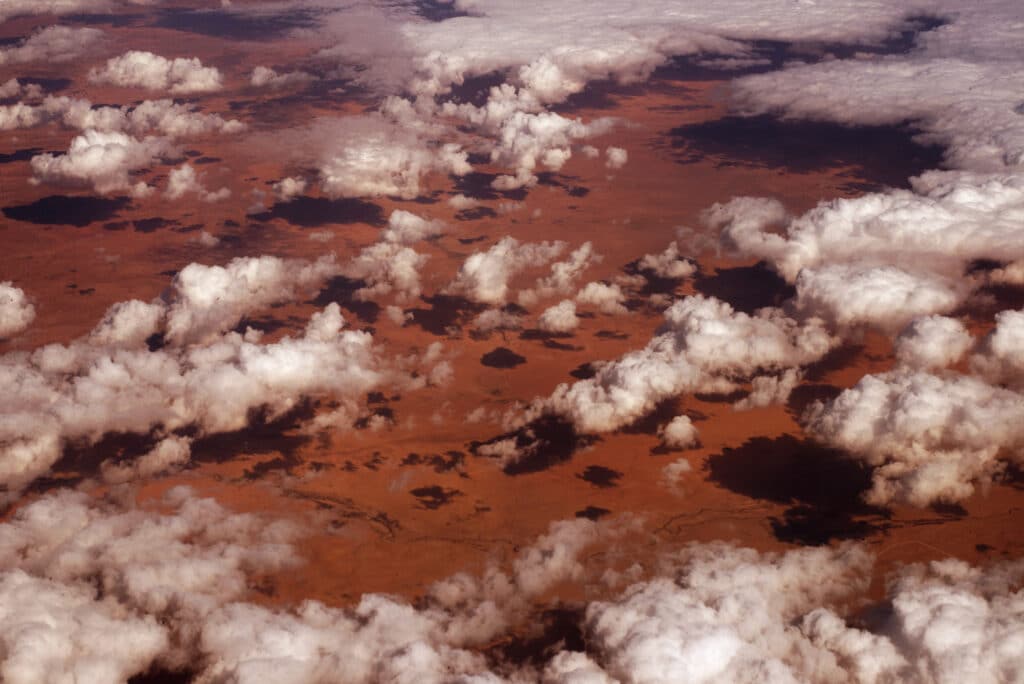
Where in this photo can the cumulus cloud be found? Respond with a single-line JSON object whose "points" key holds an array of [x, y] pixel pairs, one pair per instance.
{"points": [[101, 161], [205, 380], [287, 189], [484, 276], [616, 157], [560, 318], [704, 346], [185, 181], [679, 433], [387, 268], [140, 69], [563, 277], [374, 156], [265, 77], [767, 390], [405, 228], [13, 88], [1000, 358], [668, 264], [54, 44], [932, 342], [16, 311], [491, 320], [208, 300], [607, 298], [930, 438]]}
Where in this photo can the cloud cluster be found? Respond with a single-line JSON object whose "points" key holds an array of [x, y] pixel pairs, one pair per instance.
{"points": [[204, 380], [560, 318], [141, 69], [185, 181], [16, 311], [102, 161], [54, 44], [265, 77], [484, 276], [704, 346], [930, 438], [405, 228]]}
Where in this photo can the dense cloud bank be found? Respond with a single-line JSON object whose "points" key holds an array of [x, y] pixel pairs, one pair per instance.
{"points": [[169, 583], [205, 377]]}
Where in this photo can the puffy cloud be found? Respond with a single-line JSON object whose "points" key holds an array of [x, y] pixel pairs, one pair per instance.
{"points": [[13, 88], [52, 44], [484, 276], [767, 390], [928, 437], [460, 202], [102, 161], [204, 379], [53, 632], [883, 296], [491, 320], [608, 298], [704, 346], [405, 228], [668, 264], [725, 614], [164, 117], [208, 300], [563, 277], [560, 318], [679, 433], [616, 157], [932, 342], [140, 69], [373, 156], [287, 189], [184, 181], [1001, 355], [16, 311], [387, 267], [265, 77]]}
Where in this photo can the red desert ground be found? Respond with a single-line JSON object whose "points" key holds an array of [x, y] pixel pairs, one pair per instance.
{"points": [[511, 341]]}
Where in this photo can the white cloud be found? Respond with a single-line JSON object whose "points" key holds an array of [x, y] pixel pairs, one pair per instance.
{"points": [[265, 77], [140, 69], [608, 298], [679, 433], [932, 342], [287, 189], [387, 268], [53, 44], [184, 181], [928, 437], [704, 346], [1000, 358], [405, 228], [101, 161], [484, 276], [16, 311], [560, 318], [668, 264], [563, 276], [616, 157]]}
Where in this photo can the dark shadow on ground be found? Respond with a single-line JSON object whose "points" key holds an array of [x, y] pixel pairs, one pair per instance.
{"points": [[440, 463], [547, 634], [67, 210], [223, 24], [884, 156], [502, 357], [544, 443], [313, 212], [20, 155], [433, 497], [600, 476], [592, 513], [745, 288], [342, 290], [823, 488], [446, 315]]}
